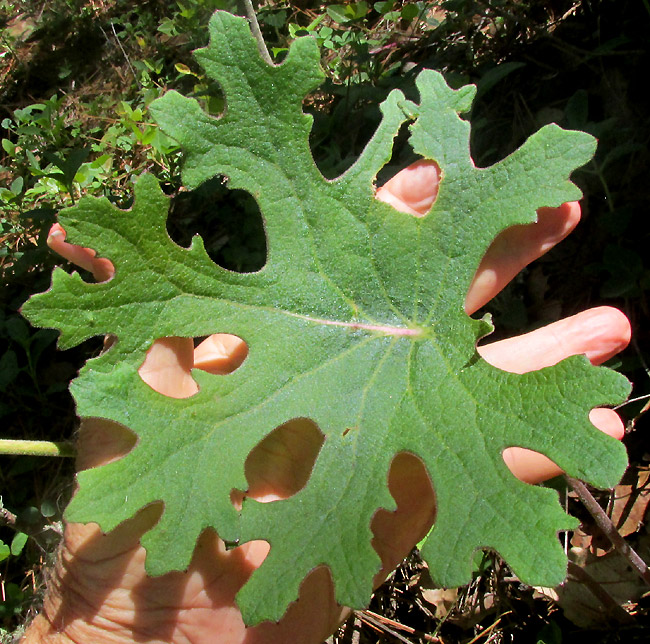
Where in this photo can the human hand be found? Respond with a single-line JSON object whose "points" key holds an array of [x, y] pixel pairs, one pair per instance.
{"points": [[100, 592]]}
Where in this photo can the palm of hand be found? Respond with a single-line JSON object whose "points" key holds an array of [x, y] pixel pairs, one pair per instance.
{"points": [[102, 593]]}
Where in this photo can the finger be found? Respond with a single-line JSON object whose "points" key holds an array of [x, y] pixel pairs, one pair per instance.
{"points": [[598, 333], [533, 467], [220, 353], [167, 367], [413, 190], [101, 268], [515, 248]]}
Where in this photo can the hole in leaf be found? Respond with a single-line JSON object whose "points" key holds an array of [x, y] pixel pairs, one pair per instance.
{"points": [[414, 189], [256, 552], [529, 466], [229, 221], [102, 271], [168, 364], [220, 353], [316, 589], [280, 465], [533, 467], [102, 441], [395, 533]]}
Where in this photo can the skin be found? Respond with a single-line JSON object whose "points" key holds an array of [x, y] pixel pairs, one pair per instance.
{"points": [[99, 591]]}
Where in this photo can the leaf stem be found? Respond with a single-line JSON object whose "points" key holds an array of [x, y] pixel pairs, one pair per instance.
{"points": [[37, 448], [247, 7], [609, 529], [614, 610]]}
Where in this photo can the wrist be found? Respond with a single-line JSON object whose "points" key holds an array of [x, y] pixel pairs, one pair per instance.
{"points": [[41, 631], [88, 597], [72, 611], [85, 599]]}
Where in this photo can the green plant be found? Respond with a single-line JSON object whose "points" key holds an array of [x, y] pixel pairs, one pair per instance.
{"points": [[360, 42], [356, 322]]}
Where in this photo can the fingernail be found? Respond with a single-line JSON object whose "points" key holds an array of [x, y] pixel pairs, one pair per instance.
{"points": [[55, 235]]}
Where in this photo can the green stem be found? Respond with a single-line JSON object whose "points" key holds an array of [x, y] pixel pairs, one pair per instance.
{"points": [[37, 448]]}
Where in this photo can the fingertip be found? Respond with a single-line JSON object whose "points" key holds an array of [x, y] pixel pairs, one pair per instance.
{"points": [[57, 230], [573, 211], [220, 353], [608, 422], [102, 269], [516, 247], [529, 466], [532, 467], [553, 225], [611, 332], [622, 324], [55, 236], [414, 189], [422, 180], [255, 552], [568, 213]]}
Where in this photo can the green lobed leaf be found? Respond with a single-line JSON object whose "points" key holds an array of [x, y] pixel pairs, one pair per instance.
{"points": [[355, 322], [5, 551]]}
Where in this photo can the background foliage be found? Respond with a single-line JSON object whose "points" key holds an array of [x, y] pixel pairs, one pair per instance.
{"points": [[76, 80]]}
